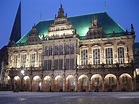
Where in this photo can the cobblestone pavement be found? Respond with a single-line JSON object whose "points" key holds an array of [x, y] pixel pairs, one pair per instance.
{"points": [[69, 97]]}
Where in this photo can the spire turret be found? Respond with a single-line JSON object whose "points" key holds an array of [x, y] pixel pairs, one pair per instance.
{"points": [[61, 12], [16, 30]]}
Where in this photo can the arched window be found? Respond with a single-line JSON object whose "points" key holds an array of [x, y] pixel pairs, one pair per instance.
{"points": [[121, 55]]}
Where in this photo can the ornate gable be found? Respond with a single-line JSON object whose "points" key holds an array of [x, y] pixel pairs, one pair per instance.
{"points": [[95, 31], [33, 38], [61, 28]]}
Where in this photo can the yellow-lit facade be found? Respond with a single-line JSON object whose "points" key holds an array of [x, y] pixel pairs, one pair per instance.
{"points": [[61, 61]]}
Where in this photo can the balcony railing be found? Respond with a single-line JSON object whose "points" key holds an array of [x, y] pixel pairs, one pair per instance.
{"points": [[106, 66]]}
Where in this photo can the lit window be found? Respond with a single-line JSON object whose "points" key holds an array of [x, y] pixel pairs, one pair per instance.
{"points": [[15, 60], [109, 55], [23, 59], [96, 56], [84, 56], [32, 59], [121, 55]]}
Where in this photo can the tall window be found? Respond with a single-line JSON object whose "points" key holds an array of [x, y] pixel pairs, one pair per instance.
{"points": [[40, 59], [32, 59], [48, 50], [84, 57], [70, 63], [61, 50], [47, 64], [69, 49], [58, 64], [23, 60], [109, 55], [15, 60], [67, 63], [121, 55], [55, 50], [96, 56]]}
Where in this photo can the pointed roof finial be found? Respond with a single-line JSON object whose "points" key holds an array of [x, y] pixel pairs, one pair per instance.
{"points": [[60, 5], [132, 28], [95, 21], [61, 12]]}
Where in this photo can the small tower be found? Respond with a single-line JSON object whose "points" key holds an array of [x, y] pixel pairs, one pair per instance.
{"points": [[95, 31]]}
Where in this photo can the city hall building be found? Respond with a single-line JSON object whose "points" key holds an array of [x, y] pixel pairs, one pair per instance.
{"points": [[88, 52]]}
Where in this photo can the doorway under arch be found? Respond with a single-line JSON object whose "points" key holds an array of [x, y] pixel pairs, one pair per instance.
{"points": [[83, 83]]}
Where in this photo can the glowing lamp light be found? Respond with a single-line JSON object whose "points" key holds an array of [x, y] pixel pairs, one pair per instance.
{"points": [[137, 71], [22, 72]]}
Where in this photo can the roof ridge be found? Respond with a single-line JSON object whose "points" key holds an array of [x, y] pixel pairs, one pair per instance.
{"points": [[87, 14], [75, 16]]}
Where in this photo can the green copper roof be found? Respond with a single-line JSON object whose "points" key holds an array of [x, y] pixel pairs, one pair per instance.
{"points": [[81, 24]]}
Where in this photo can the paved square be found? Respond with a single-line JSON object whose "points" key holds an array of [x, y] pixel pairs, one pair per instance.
{"points": [[69, 98]]}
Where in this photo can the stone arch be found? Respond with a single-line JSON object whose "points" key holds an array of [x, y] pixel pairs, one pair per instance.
{"points": [[83, 83], [70, 83], [47, 83], [17, 81], [110, 82], [96, 82], [58, 83], [35, 83], [26, 83], [125, 81]]}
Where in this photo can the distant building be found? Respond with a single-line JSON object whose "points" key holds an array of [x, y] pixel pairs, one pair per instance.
{"points": [[83, 53]]}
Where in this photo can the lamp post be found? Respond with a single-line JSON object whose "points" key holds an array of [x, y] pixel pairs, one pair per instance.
{"points": [[22, 74]]}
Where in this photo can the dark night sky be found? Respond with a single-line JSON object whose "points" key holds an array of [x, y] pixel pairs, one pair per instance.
{"points": [[124, 12]]}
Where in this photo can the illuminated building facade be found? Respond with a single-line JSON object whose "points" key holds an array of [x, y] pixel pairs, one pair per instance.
{"points": [[82, 53]]}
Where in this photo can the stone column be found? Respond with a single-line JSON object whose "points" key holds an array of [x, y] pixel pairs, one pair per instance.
{"points": [[31, 84], [76, 82], [52, 84], [117, 84], [103, 85], [132, 84], [64, 84], [89, 82]]}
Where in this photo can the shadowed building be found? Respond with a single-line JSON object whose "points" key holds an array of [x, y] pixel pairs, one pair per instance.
{"points": [[83, 53]]}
